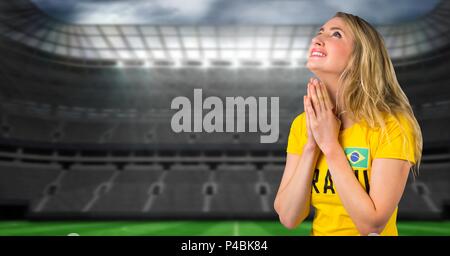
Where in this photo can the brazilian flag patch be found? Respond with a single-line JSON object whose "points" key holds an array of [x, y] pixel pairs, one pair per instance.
{"points": [[357, 157]]}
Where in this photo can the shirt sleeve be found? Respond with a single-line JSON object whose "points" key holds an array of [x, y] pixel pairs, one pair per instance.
{"points": [[297, 137], [398, 142]]}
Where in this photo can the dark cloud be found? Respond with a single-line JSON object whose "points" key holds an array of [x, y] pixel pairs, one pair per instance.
{"points": [[231, 11]]}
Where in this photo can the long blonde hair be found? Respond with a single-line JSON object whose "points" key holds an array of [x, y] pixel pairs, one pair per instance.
{"points": [[369, 87]]}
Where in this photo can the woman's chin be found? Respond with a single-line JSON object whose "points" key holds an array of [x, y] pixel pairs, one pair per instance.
{"points": [[314, 67]]}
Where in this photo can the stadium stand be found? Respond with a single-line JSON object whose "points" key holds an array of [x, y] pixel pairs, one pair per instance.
{"points": [[130, 191], [25, 181], [78, 189]]}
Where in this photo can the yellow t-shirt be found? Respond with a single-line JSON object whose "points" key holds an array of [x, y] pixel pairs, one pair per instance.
{"points": [[361, 145]]}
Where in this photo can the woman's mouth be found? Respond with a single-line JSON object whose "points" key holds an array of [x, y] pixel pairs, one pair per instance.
{"points": [[317, 53]]}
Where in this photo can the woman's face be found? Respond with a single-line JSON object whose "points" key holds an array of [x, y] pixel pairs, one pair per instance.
{"points": [[331, 49]]}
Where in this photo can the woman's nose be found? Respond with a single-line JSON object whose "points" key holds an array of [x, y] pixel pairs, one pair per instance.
{"points": [[317, 41]]}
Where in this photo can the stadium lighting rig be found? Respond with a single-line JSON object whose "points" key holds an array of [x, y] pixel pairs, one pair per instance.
{"points": [[207, 63]]}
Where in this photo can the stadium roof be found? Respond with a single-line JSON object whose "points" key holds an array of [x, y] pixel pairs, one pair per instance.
{"points": [[231, 12], [24, 23]]}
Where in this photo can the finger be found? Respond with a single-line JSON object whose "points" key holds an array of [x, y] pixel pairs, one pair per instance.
{"points": [[310, 102], [310, 108], [308, 90], [315, 100], [307, 106], [319, 91], [306, 111], [311, 92], [308, 125], [326, 97]]}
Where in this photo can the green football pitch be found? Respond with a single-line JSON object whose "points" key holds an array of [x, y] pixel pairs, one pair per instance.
{"points": [[189, 228]]}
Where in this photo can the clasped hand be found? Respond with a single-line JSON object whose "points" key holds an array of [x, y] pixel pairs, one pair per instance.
{"points": [[321, 120]]}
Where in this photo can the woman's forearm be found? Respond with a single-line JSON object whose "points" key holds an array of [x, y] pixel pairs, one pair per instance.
{"points": [[356, 201], [293, 200]]}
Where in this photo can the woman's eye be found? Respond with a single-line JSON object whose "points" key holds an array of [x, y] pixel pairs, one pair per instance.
{"points": [[337, 34]]}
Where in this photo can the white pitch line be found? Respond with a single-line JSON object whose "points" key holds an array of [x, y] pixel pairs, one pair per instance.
{"points": [[236, 229]]}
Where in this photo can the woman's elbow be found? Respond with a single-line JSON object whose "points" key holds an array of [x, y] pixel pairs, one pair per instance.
{"points": [[371, 231], [276, 206], [289, 223], [375, 227]]}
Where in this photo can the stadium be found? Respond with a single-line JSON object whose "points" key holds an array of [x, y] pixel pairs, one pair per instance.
{"points": [[87, 146]]}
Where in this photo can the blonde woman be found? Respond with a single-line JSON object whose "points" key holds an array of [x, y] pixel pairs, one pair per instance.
{"points": [[350, 152]]}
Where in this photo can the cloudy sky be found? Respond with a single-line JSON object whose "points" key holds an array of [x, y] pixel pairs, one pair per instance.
{"points": [[222, 12]]}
